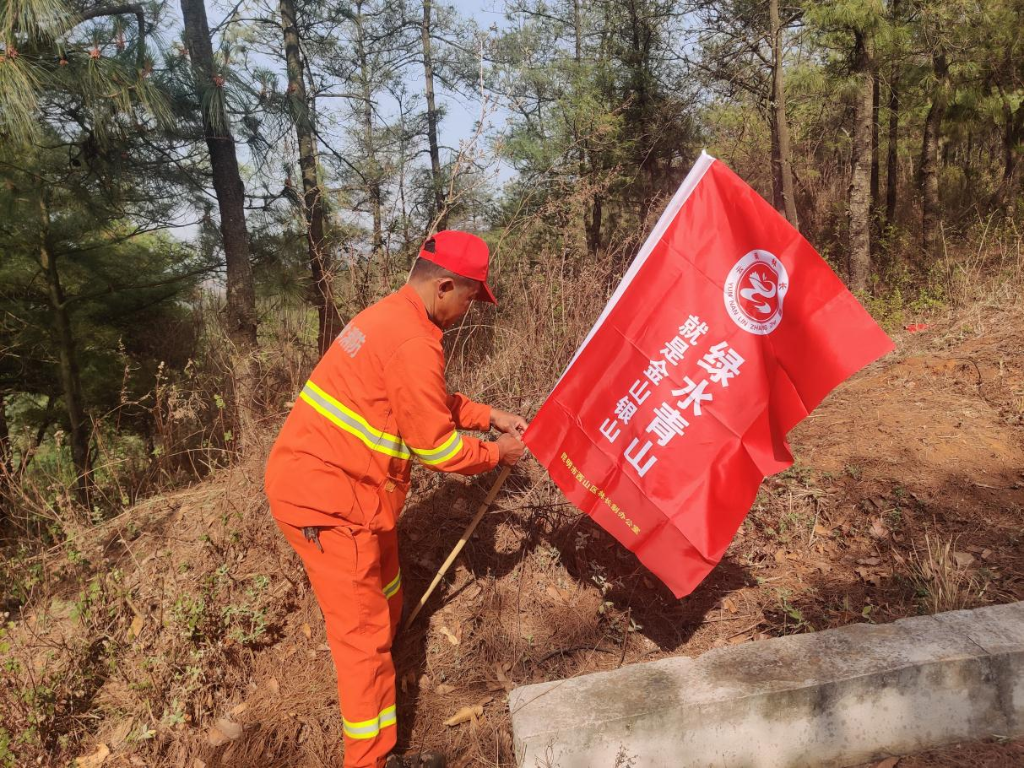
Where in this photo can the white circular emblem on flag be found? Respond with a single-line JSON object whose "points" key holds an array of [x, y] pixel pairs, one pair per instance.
{"points": [[754, 290]]}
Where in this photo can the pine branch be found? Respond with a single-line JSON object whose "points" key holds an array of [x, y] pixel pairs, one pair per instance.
{"points": [[120, 10]]}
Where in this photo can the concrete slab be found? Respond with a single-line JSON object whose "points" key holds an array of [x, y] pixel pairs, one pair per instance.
{"points": [[833, 698]]}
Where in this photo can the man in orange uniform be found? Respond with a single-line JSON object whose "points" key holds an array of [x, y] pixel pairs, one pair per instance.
{"points": [[339, 471]]}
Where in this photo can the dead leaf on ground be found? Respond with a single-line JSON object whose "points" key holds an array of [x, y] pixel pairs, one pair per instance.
{"points": [[223, 731], [730, 605], [136, 627], [869, 561], [559, 594], [444, 689], [878, 529], [871, 577], [95, 759], [738, 639], [780, 556], [273, 686], [239, 709], [963, 559], [197, 763], [821, 530], [465, 715], [889, 762], [452, 638], [307, 631], [501, 683], [120, 734]]}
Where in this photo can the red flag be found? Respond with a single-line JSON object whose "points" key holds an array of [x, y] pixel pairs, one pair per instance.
{"points": [[726, 331]]}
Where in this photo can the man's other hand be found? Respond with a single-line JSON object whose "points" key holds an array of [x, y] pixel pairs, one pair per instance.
{"points": [[510, 449], [509, 423]]}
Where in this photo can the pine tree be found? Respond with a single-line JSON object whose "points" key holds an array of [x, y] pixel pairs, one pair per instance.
{"points": [[209, 84]]}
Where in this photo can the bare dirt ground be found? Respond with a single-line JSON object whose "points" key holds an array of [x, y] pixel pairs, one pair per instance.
{"points": [[183, 632]]}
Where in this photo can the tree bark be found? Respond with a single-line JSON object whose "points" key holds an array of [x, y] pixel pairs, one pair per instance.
{"points": [[892, 150], [70, 376], [860, 183], [374, 190], [782, 169], [592, 218], [435, 153], [1013, 136], [929, 175], [876, 198], [227, 184], [329, 320]]}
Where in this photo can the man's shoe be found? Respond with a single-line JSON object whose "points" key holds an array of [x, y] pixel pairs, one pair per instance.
{"points": [[432, 759], [427, 759]]}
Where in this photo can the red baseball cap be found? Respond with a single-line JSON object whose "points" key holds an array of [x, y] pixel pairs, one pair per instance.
{"points": [[461, 253]]}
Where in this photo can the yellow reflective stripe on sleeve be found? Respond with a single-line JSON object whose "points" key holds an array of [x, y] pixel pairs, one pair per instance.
{"points": [[351, 422], [392, 588], [448, 449], [367, 729]]}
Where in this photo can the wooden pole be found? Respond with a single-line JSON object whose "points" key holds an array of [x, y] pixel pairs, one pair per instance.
{"points": [[500, 481]]}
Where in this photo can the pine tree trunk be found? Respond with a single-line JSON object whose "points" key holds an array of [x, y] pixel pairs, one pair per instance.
{"points": [[876, 198], [435, 153], [227, 185], [782, 169], [929, 176], [374, 190], [329, 321], [592, 218], [70, 377], [892, 139], [892, 151], [1013, 135], [860, 183], [592, 225]]}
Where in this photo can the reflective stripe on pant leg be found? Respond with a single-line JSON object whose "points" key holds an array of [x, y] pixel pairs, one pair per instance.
{"points": [[389, 565], [367, 729], [346, 579]]}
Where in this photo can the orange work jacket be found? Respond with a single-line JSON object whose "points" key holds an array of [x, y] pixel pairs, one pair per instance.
{"points": [[375, 401]]}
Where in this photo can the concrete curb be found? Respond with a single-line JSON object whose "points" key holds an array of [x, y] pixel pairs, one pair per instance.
{"points": [[833, 698]]}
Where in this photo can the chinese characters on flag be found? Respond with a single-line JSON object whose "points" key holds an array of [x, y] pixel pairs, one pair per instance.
{"points": [[726, 331]]}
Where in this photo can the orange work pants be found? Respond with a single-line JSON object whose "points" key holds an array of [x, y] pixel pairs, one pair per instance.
{"points": [[357, 582]]}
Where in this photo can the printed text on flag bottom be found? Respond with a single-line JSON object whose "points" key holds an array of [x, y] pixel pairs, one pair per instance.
{"points": [[599, 493]]}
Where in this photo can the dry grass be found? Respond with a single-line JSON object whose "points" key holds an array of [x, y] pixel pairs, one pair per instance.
{"points": [[942, 577]]}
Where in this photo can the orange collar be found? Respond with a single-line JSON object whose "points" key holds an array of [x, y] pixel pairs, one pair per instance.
{"points": [[408, 293]]}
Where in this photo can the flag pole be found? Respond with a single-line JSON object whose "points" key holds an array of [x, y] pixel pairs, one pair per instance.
{"points": [[500, 481]]}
